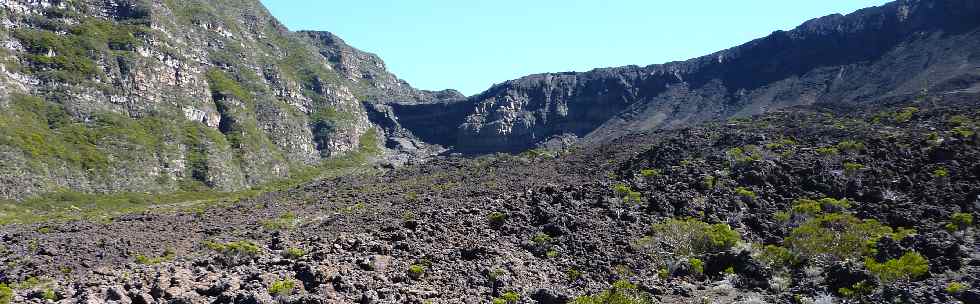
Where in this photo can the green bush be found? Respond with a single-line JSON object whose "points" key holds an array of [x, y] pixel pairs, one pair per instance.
{"points": [[622, 292], [910, 266], [956, 287], [294, 253], [775, 256], [851, 169], [940, 173], [144, 260], [858, 290], [691, 238], [239, 248], [507, 298], [648, 173], [835, 237], [697, 265], [416, 271], [285, 221], [627, 194], [282, 288], [851, 146], [497, 218], [745, 193], [6, 294], [905, 115], [744, 155], [960, 221]]}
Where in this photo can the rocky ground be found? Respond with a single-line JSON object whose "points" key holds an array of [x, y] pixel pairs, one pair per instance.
{"points": [[556, 226]]}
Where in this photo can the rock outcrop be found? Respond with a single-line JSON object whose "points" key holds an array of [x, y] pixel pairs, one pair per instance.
{"points": [[156, 96], [902, 48]]}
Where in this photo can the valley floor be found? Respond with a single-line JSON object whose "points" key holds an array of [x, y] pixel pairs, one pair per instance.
{"points": [[807, 205]]}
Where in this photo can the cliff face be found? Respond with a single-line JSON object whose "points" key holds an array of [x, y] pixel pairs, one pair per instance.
{"points": [[898, 49], [148, 96]]}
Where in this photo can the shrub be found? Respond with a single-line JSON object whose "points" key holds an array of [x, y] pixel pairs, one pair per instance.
{"points": [[622, 292], [573, 274], [144, 260], [627, 194], [940, 173], [835, 237], [6, 294], [697, 265], [905, 115], [294, 253], [416, 271], [852, 169], [775, 256], [964, 132], [709, 182], [744, 155], [690, 238], [49, 294], [224, 86], [541, 239], [858, 290], [507, 298], [235, 249], [497, 219], [286, 221], [282, 288], [650, 173], [745, 193], [828, 151], [956, 287], [807, 207], [960, 221], [959, 120], [910, 266], [851, 146]]}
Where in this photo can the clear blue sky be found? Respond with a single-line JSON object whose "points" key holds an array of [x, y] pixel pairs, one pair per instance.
{"points": [[469, 45]]}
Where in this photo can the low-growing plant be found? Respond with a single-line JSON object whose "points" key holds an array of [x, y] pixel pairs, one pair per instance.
{"points": [[416, 271], [144, 260], [745, 193], [238, 248], [852, 169], [573, 274], [911, 265], [648, 173], [956, 288], [697, 265], [622, 292], [681, 239], [858, 290], [774, 256], [851, 146], [293, 253], [282, 288], [959, 221], [905, 115], [6, 294], [964, 132], [285, 221], [940, 173], [497, 219], [835, 237], [627, 194], [509, 297]]}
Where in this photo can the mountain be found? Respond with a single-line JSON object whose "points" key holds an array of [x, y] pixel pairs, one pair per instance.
{"points": [[160, 96], [902, 48]]}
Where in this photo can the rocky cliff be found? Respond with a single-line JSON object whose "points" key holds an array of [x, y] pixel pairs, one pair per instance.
{"points": [[902, 48], [156, 96]]}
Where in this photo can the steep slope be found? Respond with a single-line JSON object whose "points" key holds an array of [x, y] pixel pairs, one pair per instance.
{"points": [[157, 96], [901, 48]]}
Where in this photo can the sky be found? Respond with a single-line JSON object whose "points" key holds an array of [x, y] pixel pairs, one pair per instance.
{"points": [[469, 45]]}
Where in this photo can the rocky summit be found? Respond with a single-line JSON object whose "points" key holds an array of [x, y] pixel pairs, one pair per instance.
{"points": [[198, 151]]}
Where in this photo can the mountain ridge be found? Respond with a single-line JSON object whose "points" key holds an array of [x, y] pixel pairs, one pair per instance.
{"points": [[521, 113]]}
